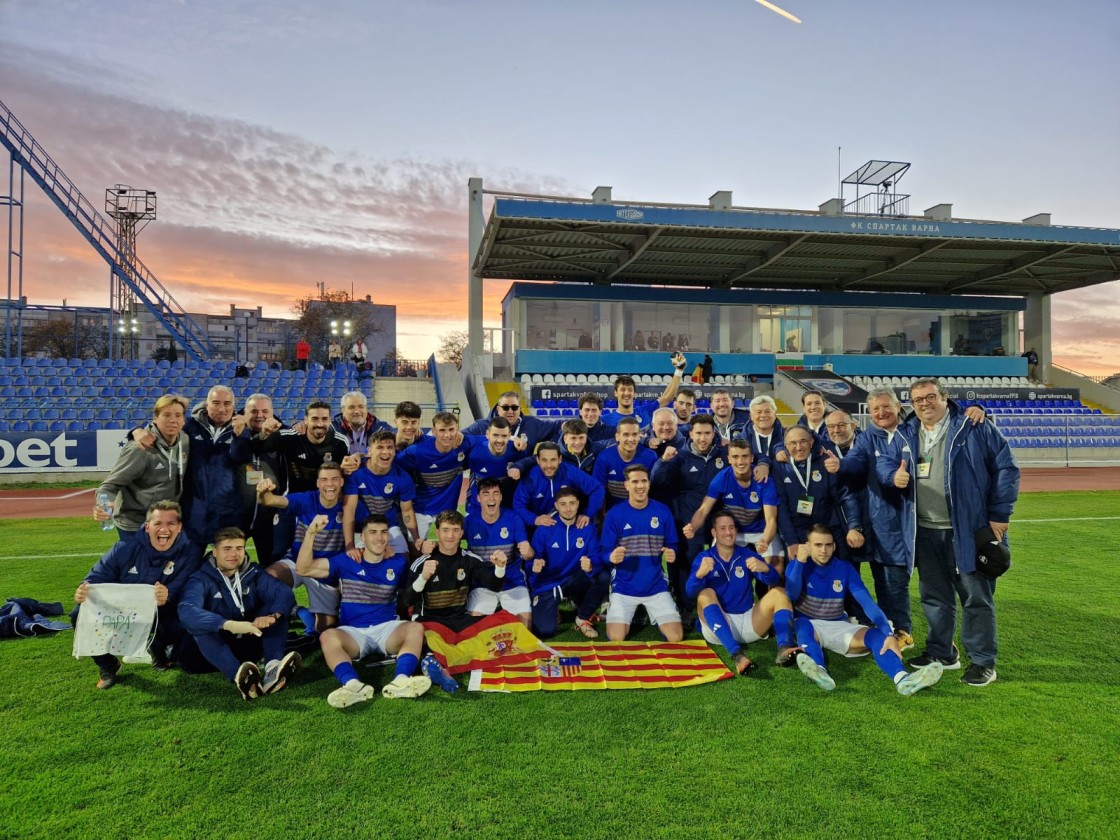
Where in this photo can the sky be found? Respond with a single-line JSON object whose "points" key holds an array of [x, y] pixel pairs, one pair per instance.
{"points": [[292, 143]]}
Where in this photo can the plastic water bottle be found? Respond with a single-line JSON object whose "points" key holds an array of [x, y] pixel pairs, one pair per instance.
{"points": [[106, 504]]}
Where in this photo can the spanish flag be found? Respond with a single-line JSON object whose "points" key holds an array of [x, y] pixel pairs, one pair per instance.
{"points": [[607, 665], [499, 639]]}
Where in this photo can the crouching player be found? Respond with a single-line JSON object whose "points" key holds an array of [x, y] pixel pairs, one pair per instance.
{"points": [[367, 614], [566, 565], [234, 613], [720, 582], [817, 591]]}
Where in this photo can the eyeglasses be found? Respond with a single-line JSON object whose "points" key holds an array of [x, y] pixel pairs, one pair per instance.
{"points": [[928, 398], [514, 407], [835, 427]]}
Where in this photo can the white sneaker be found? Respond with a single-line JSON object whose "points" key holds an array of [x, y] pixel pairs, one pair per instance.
{"points": [[342, 697], [814, 672], [922, 678], [406, 688]]}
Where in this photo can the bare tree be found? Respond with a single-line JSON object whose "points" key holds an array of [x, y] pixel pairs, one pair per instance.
{"points": [[315, 315], [64, 338], [451, 347]]}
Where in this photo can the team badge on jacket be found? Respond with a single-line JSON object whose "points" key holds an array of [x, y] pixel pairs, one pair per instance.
{"points": [[504, 533], [169, 569], [389, 487], [653, 523], [390, 574], [462, 574], [754, 497]]}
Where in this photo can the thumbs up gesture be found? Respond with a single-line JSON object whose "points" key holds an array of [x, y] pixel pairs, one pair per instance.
{"points": [[902, 476], [831, 462]]}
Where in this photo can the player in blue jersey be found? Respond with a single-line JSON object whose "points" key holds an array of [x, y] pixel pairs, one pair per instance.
{"points": [[754, 505], [436, 462], [329, 540], [720, 582], [494, 456], [817, 590], [380, 486], [369, 622], [494, 530], [566, 564], [534, 498], [625, 387], [638, 537], [610, 466]]}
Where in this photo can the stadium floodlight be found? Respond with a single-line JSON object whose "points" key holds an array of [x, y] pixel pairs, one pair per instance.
{"points": [[780, 11], [340, 329]]}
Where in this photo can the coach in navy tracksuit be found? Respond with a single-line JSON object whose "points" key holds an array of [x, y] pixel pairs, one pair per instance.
{"points": [[532, 428], [224, 606], [212, 491], [954, 479]]}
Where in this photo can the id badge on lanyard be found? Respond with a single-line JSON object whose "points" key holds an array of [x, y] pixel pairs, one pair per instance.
{"points": [[924, 467]]}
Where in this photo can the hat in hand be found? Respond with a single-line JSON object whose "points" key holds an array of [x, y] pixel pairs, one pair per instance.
{"points": [[993, 558]]}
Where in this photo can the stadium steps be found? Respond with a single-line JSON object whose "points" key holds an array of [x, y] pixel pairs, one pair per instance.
{"points": [[390, 390]]}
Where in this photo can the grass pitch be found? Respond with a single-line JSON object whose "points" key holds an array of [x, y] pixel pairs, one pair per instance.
{"points": [[172, 755]]}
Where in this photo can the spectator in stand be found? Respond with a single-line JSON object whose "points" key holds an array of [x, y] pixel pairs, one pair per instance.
{"points": [[334, 354], [303, 353], [358, 351], [1032, 365], [144, 475]]}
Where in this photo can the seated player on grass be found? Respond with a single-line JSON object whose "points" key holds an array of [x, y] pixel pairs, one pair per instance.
{"points": [[368, 614], [566, 565], [639, 535], [234, 613], [439, 583], [817, 590], [721, 584], [161, 555]]}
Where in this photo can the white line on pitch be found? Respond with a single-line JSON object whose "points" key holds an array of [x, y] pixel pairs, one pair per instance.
{"points": [[1068, 519], [47, 556]]}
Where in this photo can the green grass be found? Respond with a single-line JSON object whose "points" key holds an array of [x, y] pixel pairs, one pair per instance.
{"points": [[171, 755]]}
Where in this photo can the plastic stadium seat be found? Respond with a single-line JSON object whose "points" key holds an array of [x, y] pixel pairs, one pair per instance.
{"points": [[39, 426]]}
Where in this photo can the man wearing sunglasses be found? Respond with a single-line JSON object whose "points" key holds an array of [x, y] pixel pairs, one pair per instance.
{"points": [[532, 430]]}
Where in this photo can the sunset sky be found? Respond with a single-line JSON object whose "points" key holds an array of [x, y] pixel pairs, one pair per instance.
{"points": [[296, 142]]}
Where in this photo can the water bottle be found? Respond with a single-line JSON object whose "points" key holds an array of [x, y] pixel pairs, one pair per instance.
{"points": [[106, 504]]}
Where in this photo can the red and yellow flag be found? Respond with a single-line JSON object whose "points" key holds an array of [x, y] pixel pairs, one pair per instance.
{"points": [[606, 665], [498, 639]]}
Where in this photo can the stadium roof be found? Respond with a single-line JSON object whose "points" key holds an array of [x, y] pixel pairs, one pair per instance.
{"points": [[568, 240]]}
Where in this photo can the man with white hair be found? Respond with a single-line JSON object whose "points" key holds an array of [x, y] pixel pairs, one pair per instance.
{"points": [[766, 436], [357, 423]]}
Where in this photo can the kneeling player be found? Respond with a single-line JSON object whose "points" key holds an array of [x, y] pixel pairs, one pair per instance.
{"points": [[817, 591], [234, 613], [566, 566], [721, 584], [368, 614], [491, 530]]}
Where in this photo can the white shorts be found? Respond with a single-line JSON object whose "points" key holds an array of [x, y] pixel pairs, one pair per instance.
{"points": [[486, 601], [741, 628], [836, 636], [660, 608], [322, 599], [373, 639], [775, 548]]}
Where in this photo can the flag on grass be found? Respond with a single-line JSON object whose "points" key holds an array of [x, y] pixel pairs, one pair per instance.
{"points": [[607, 665], [497, 639]]}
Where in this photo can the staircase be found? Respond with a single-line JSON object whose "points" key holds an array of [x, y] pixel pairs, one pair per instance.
{"points": [[390, 390], [101, 234]]}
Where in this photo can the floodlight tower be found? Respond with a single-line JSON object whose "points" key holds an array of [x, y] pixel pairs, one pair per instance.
{"points": [[132, 210]]}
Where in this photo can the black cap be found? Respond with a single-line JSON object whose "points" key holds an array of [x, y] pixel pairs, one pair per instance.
{"points": [[993, 558]]}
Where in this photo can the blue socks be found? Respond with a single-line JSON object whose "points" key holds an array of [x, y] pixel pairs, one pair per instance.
{"points": [[890, 663], [717, 623], [406, 665], [783, 635], [807, 639], [344, 672]]}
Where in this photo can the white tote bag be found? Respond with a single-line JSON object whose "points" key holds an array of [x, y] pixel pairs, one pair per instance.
{"points": [[116, 618]]}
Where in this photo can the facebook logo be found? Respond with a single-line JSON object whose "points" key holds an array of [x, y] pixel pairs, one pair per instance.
{"points": [[30, 451]]}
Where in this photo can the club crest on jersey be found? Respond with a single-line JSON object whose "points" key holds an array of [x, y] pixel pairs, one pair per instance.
{"points": [[390, 574], [719, 463], [327, 458], [461, 574], [389, 487], [169, 568], [754, 497], [579, 542], [816, 475], [504, 533], [460, 456], [338, 517], [739, 571], [837, 586], [653, 523]]}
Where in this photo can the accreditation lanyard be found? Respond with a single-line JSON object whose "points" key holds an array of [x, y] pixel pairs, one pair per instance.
{"points": [[234, 586], [805, 503], [758, 443]]}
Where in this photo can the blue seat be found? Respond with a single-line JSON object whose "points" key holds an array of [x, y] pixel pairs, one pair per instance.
{"points": [[21, 426], [75, 426], [40, 426]]}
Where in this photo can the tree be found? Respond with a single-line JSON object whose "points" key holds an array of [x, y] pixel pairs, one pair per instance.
{"points": [[451, 347], [65, 338], [315, 315]]}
